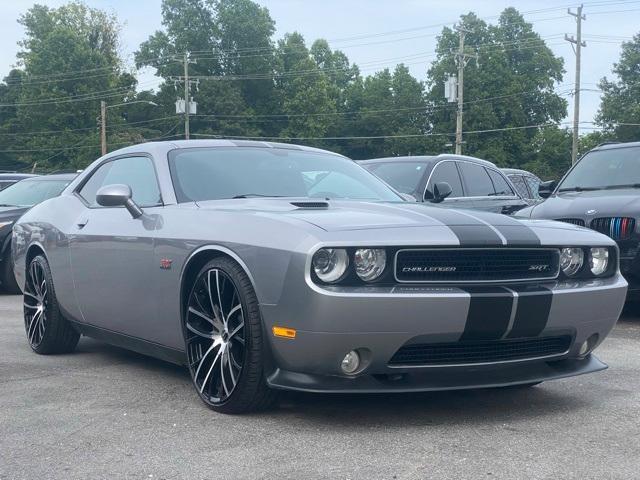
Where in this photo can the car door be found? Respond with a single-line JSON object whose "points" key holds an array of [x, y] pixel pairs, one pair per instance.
{"points": [[479, 191], [505, 196], [111, 252], [447, 171]]}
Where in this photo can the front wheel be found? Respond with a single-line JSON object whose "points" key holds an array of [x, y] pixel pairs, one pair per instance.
{"points": [[224, 340], [47, 330]]}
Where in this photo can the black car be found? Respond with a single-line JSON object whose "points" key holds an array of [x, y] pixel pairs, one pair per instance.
{"points": [[14, 202], [526, 183], [7, 179], [601, 192], [475, 184]]}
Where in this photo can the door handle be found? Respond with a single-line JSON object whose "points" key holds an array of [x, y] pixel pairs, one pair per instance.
{"points": [[82, 222]]}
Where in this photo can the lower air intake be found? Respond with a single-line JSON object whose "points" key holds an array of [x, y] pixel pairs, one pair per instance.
{"points": [[465, 353]]}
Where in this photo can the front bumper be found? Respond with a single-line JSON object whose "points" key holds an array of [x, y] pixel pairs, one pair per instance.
{"points": [[332, 321], [446, 378]]}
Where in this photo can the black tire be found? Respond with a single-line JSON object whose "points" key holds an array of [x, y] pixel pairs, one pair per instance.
{"points": [[9, 283], [48, 332], [214, 336]]}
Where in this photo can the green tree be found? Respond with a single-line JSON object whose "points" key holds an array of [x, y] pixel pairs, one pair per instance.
{"points": [[511, 86], [68, 61], [620, 99]]}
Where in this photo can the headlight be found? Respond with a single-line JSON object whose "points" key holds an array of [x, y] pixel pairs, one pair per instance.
{"points": [[370, 263], [598, 260], [330, 264], [571, 260]]}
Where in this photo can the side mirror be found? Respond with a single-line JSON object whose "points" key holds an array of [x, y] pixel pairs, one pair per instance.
{"points": [[441, 190], [118, 195], [545, 189]]}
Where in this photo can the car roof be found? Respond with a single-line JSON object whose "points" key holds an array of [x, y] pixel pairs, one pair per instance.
{"points": [[180, 144], [517, 171], [53, 176], [614, 145], [16, 176], [430, 159]]}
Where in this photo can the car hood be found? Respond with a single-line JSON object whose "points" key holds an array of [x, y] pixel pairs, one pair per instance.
{"points": [[344, 215], [599, 203]]}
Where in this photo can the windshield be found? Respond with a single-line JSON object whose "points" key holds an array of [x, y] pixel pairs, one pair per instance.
{"points": [[242, 172], [27, 193], [403, 176], [614, 168]]}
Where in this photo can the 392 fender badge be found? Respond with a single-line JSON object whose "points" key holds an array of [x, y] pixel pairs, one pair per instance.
{"points": [[165, 263]]}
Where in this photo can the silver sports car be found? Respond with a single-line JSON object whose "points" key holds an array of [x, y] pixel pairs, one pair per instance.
{"points": [[264, 266]]}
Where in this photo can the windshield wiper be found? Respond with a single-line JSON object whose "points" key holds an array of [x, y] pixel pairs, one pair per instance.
{"points": [[580, 189], [252, 195], [7, 205], [629, 185]]}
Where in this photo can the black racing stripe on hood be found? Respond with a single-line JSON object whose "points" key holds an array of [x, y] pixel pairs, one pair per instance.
{"points": [[470, 231], [532, 312], [516, 232], [489, 313]]}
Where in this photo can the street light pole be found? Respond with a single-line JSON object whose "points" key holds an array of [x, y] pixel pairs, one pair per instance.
{"points": [[103, 120]]}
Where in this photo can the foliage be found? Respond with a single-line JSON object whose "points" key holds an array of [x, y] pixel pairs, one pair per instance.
{"points": [[620, 97], [253, 86]]}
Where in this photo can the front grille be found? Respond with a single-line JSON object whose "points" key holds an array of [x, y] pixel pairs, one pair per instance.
{"points": [[476, 265], [618, 228], [574, 221], [464, 353]]}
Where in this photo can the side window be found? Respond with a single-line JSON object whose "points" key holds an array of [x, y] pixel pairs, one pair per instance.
{"points": [[521, 187], [476, 180], [447, 172], [499, 183], [534, 184], [137, 172]]}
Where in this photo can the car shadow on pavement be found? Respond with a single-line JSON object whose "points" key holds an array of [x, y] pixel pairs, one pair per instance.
{"points": [[432, 408], [480, 406]]}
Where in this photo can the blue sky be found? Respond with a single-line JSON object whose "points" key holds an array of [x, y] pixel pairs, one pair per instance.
{"points": [[608, 23]]}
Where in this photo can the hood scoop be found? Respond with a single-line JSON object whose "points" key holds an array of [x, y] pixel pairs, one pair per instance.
{"points": [[311, 205]]}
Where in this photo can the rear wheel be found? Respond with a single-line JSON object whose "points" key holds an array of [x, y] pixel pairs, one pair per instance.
{"points": [[224, 341], [47, 330]]}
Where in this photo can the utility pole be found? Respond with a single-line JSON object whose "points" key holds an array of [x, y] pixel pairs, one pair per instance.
{"points": [[103, 127], [462, 59], [187, 96], [576, 97], [186, 106], [102, 119]]}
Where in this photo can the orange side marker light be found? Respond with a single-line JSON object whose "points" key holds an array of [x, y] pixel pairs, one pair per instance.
{"points": [[284, 332]]}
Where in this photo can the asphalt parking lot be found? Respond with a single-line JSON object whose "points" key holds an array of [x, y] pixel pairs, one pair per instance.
{"points": [[103, 412]]}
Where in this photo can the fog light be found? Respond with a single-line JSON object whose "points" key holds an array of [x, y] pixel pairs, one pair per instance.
{"points": [[350, 362], [584, 348], [588, 345]]}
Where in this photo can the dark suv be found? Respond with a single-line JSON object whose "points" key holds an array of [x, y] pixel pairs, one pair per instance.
{"points": [[475, 184], [601, 192]]}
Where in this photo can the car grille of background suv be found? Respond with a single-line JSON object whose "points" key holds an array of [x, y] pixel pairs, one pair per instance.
{"points": [[465, 353], [574, 221], [476, 265], [618, 228]]}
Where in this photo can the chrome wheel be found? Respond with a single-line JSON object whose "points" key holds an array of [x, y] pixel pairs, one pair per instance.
{"points": [[215, 335], [36, 303]]}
